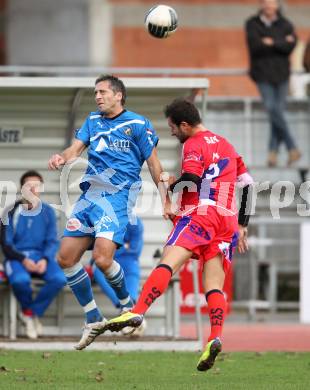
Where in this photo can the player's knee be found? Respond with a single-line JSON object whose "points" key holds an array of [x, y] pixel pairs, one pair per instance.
{"points": [[65, 260], [102, 260]]}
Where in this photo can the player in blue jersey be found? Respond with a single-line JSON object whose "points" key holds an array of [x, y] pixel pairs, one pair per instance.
{"points": [[118, 142], [29, 243]]}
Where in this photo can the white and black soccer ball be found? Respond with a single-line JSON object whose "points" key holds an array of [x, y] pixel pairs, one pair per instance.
{"points": [[161, 21]]}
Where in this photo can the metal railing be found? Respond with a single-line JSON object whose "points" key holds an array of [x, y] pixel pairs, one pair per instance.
{"points": [[20, 70]]}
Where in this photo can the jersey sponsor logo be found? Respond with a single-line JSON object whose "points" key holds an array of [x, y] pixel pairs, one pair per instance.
{"points": [[111, 130], [73, 224], [211, 140], [101, 145], [192, 156], [114, 144]]}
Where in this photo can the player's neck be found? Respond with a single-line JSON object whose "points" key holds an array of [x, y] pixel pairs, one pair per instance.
{"points": [[198, 129], [114, 113]]}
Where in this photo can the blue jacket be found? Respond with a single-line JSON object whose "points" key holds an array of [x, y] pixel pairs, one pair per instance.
{"points": [[27, 231]]}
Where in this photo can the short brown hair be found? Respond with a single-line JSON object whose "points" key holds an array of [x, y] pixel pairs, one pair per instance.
{"points": [[182, 110], [116, 85], [30, 174]]}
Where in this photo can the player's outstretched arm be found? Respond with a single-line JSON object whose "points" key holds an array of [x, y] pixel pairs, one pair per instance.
{"points": [[67, 156], [155, 167], [162, 181]]}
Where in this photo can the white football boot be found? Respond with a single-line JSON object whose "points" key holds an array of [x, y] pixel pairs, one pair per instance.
{"points": [[90, 332]]}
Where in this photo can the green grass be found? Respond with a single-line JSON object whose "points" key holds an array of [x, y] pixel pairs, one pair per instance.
{"points": [[151, 371]]}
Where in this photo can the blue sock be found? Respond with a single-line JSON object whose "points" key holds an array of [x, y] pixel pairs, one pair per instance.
{"points": [[115, 276], [79, 282]]}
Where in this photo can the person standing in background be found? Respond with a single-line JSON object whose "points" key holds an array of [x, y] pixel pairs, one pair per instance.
{"points": [[271, 39]]}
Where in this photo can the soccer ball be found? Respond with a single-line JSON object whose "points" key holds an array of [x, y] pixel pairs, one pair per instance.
{"points": [[161, 21]]}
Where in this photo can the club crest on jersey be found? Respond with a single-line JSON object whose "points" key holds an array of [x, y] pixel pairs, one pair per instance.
{"points": [[73, 224], [128, 131]]}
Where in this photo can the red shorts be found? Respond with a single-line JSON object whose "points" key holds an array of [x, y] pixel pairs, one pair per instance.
{"points": [[206, 235]]}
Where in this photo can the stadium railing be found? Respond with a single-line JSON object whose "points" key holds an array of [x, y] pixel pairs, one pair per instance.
{"points": [[279, 254]]}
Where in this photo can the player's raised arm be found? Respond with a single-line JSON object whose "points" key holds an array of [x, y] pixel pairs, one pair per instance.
{"points": [[155, 167], [68, 155], [162, 182]]}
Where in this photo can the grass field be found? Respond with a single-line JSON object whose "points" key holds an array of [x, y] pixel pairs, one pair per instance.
{"points": [[151, 371]]}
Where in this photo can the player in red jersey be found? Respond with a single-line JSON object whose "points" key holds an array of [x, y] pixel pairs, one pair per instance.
{"points": [[206, 225]]}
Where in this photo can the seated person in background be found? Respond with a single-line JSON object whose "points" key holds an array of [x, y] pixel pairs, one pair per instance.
{"points": [[128, 257], [29, 243]]}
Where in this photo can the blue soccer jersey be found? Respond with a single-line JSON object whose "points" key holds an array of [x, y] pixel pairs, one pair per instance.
{"points": [[117, 149]]}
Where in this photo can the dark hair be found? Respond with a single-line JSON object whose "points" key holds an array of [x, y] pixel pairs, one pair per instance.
{"points": [[30, 174], [115, 83], [182, 110]]}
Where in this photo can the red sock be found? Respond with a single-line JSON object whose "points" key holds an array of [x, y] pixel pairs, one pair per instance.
{"points": [[217, 309], [154, 286]]}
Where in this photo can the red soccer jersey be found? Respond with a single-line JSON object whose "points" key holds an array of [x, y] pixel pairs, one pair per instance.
{"points": [[215, 160]]}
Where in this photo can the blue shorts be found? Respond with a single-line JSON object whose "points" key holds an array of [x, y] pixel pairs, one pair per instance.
{"points": [[106, 216]]}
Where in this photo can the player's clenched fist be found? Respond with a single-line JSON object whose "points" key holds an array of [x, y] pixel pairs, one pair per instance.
{"points": [[56, 161]]}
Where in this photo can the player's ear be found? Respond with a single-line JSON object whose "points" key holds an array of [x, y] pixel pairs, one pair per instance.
{"points": [[184, 125], [119, 96]]}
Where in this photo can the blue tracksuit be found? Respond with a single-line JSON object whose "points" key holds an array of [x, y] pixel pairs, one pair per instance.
{"points": [[128, 257], [32, 234]]}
